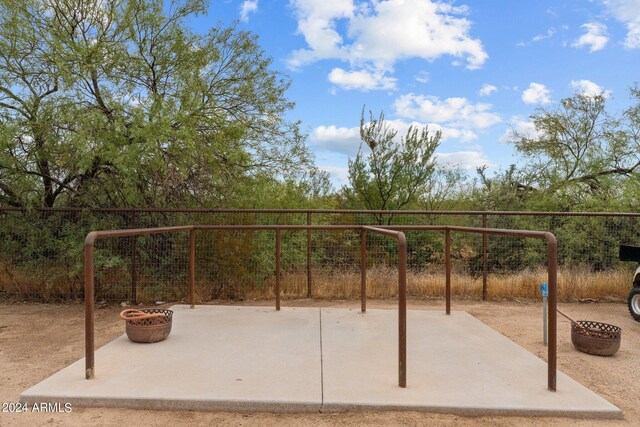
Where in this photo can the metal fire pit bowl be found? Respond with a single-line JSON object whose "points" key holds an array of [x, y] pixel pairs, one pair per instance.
{"points": [[149, 330], [596, 338]]}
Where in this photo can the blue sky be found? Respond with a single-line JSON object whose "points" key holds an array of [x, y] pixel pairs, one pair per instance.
{"points": [[474, 69]]}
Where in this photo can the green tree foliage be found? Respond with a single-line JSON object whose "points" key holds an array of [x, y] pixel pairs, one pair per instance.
{"points": [[505, 190], [393, 174], [446, 189], [311, 189], [580, 158], [581, 153], [119, 103]]}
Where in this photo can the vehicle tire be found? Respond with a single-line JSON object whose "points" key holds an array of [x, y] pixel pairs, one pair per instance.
{"points": [[633, 302]]}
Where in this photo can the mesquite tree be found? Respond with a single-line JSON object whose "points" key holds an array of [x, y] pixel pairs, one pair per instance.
{"points": [[394, 172], [119, 103], [580, 151]]}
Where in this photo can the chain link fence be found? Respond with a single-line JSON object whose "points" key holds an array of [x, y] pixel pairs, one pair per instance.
{"points": [[41, 254]]}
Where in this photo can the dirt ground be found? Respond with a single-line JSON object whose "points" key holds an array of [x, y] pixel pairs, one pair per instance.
{"points": [[36, 340]]}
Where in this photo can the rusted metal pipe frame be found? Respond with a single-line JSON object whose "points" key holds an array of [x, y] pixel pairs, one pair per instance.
{"points": [[276, 227], [89, 280], [552, 278], [484, 258], [309, 285], [192, 268], [89, 315], [391, 231], [89, 286], [134, 270], [134, 263], [402, 297], [363, 270], [552, 248], [277, 291], [89, 276], [447, 268]]}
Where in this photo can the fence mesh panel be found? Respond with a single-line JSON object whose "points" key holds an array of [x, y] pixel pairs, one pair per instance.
{"points": [[41, 254]]}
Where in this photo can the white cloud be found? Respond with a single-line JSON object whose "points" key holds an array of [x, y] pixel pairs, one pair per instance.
{"points": [[422, 77], [550, 33], [379, 33], [522, 127], [463, 135], [595, 37], [448, 133], [363, 80], [454, 112], [627, 11], [339, 174], [346, 140], [538, 38], [487, 89], [536, 94], [248, 7], [588, 88], [398, 29], [317, 23], [465, 159], [337, 139]]}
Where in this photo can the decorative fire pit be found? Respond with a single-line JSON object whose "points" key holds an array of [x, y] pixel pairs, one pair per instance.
{"points": [[596, 338], [147, 325]]}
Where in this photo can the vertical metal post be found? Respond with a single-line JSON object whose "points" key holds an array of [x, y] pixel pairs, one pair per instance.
{"points": [[402, 310], [89, 318], [277, 269], [553, 315], [447, 261], [309, 291], [363, 269], [192, 267], [485, 238], [134, 261], [545, 335]]}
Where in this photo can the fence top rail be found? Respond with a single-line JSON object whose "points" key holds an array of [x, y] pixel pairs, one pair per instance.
{"points": [[389, 230], [497, 231], [276, 227], [104, 234], [321, 211]]}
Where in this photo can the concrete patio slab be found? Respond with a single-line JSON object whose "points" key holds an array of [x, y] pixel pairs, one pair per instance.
{"points": [[455, 364], [216, 358], [250, 359]]}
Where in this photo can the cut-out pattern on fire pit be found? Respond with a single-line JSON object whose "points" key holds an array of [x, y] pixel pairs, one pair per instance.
{"points": [[596, 338]]}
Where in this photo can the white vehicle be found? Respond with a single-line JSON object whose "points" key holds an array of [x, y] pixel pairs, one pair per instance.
{"points": [[632, 253]]}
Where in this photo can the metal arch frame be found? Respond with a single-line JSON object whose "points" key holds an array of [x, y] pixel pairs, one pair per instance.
{"points": [[389, 231]]}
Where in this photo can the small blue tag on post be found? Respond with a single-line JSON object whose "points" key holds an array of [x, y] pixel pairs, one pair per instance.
{"points": [[544, 289]]}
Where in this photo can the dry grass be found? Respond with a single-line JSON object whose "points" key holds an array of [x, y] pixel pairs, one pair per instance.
{"points": [[574, 283], [48, 283]]}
